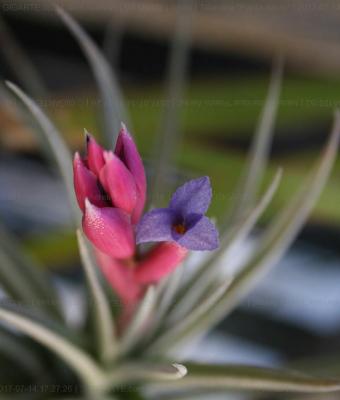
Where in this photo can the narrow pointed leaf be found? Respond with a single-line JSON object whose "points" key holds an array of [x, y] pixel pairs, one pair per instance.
{"points": [[166, 290], [170, 289], [14, 348], [15, 284], [45, 320], [227, 377], [57, 147], [112, 43], [207, 273], [113, 105], [134, 331], [259, 151], [20, 62], [168, 138], [149, 372], [277, 240], [22, 278], [90, 373], [175, 330], [103, 321]]}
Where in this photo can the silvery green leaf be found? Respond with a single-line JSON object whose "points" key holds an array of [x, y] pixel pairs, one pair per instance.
{"points": [[168, 137], [98, 396], [137, 326], [112, 42], [277, 240], [23, 278], [177, 395], [168, 290], [20, 63], [15, 285], [46, 320], [241, 377], [113, 104], [102, 316], [258, 156], [247, 190], [321, 364], [50, 135], [14, 348], [147, 371], [207, 273], [178, 329], [88, 371]]}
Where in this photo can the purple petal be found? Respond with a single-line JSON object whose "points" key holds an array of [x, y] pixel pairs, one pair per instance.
{"points": [[201, 236], [156, 226], [192, 197]]}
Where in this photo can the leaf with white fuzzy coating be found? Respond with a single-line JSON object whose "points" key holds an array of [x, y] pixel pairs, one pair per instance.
{"points": [[23, 279], [277, 240], [148, 371], [169, 135], [18, 350], [242, 377], [113, 104], [195, 315], [259, 151], [103, 321], [91, 374], [134, 331], [56, 144], [207, 273]]}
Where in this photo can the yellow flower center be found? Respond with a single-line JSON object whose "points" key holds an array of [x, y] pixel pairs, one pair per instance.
{"points": [[180, 229]]}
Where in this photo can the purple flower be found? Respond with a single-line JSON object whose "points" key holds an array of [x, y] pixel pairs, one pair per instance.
{"points": [[183, 221]]}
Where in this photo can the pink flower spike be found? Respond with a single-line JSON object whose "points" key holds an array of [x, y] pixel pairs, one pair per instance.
{"points": [[95, 157], [159, 262], [119, 183], [120, 277], [109, 229], [127, 151], [85, 184]]}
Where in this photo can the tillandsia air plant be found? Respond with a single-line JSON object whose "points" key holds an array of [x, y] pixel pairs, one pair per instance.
{"points": [[111, 191], [144, 304]]}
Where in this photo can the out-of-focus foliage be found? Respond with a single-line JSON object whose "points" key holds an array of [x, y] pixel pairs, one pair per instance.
{"points": [[106, 363]]}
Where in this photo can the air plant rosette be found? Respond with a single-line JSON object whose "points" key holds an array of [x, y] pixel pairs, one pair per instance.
{"points": [[128, 347]]}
